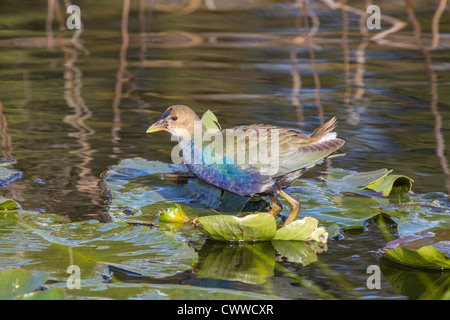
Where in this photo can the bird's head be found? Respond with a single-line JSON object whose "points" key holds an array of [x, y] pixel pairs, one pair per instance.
{"points": [[177, 120]]}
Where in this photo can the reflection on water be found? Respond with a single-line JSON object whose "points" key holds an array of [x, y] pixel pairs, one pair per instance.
{"points": [[417, 284], [73, 103]]}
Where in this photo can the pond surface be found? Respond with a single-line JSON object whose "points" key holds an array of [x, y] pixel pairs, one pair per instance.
{"points": [[70, 108]]}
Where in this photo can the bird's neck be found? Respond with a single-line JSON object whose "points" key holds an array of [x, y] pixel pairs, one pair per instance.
{"points": [[190, 142]]}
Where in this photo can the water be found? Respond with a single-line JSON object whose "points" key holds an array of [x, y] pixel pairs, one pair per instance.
{"points": [[70, 111]]}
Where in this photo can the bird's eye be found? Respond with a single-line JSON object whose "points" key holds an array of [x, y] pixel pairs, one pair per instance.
{"points": [[174, 118]]}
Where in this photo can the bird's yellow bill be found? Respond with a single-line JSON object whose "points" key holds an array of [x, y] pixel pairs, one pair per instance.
{"points": [[157, 126]]}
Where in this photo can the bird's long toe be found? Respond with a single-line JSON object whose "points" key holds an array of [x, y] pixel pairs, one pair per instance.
{"points": [[276, 205], [295, 207]]}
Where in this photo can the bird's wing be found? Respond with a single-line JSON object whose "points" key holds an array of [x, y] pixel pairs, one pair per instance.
{"points": [[298, 152], [292, 159], [272, 150]]}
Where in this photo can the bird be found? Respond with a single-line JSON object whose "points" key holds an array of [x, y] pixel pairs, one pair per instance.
{"points": [[297, 152]]}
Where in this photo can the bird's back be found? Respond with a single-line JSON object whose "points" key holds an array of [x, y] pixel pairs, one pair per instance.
{"points": [[258, 159]]}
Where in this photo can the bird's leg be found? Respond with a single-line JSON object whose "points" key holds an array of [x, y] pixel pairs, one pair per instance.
{"points": [[295, 207], [276, 205]]}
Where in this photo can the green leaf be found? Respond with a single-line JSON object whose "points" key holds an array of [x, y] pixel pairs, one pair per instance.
{"points": [[220, 260], [254, 227], [30, 237], [297, 230], [378, 180], [175, 214], [417, 284], [190, 292], [425, 257], [20, 284], [429, 250], [47, 294], [391, 185], [8, 204], [351, 181], [94, 244], [259, 227], [319, 235], [297, 251], [304, 230], [210, 121]]}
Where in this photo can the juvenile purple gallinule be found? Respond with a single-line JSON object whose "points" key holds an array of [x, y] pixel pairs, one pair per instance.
{"points": [[292, 152]]}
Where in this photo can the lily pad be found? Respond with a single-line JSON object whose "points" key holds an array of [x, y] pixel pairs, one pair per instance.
{"points": [[391, 184], [8, 204], [415, 283], [20, 284], [254, 227], [138, 193], [136, 190], [303, 229], [90, 245], [379, 181], [430, 250], [298, 251], [259, 227]]}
